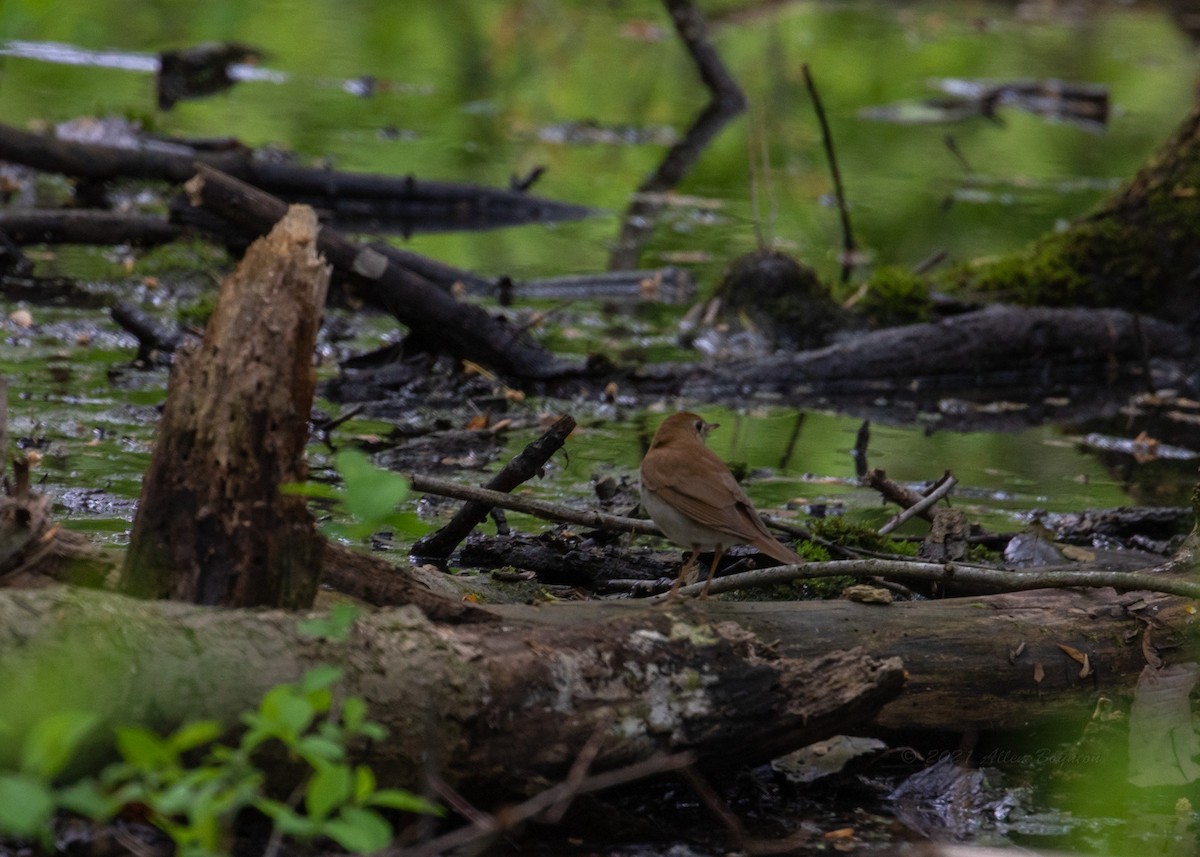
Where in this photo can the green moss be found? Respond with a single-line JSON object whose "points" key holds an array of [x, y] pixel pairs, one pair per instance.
{"points": [[848, 534], [198, 311], [1136, 252], [894, 296]]}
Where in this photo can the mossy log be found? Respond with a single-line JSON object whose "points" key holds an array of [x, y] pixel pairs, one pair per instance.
{"points": [[489, 707], [1136, 251]]}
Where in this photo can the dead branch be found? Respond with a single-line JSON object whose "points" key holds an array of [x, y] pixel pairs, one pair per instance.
{"points": [[994, 579], [523, 467], [439, 321], [347, 197], [727, 101], [538, 508]]}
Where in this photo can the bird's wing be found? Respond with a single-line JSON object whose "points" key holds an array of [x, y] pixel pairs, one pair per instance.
{"points": [[720, 504]]}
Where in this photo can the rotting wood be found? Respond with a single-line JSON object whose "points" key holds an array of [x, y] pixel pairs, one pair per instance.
{"points": [[972, 662], [438, 321], [485, 709], [212, 526]]}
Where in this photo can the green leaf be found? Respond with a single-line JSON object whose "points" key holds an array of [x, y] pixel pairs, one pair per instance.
{"points": [[373, 731], [371, 493], [320, 677], [354, 713], [364, 783], [143, 749], [311, 489], [359, 830], [286, 819], [86, 798], [26, 805], [287, 714], [407, 801], [53, 740], [328, 789], [315, 749], [179, 798], [336, 626], [192, 735]]}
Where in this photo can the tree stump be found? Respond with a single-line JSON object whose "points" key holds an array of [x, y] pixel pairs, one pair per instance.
{"points": [[211, 526]]}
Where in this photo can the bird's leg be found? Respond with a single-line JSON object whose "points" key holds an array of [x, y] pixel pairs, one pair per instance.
{"points": [[683, 570], [711, 571]]}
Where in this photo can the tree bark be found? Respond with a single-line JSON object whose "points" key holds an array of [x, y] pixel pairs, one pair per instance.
{"points": [[486, 709], [211, 526], [973, 662]]}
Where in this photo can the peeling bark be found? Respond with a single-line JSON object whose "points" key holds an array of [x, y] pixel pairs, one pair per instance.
{"points": [[211, 526]]}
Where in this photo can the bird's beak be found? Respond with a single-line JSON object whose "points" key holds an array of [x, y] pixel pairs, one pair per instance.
{"points": [[709, 427]]}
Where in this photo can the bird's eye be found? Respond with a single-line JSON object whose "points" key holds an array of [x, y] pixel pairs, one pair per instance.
{"points": [[699, 426]]}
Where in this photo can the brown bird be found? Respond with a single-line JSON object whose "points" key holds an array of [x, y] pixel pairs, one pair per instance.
{"points": [[695, 500]]}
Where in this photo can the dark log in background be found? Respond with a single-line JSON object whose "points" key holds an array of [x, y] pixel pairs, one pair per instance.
{"points": [[211, 526], [437, 320]]}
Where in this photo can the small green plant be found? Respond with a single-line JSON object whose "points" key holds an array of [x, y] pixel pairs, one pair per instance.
{"points": [[28, 797], [368, 496], [193, 788]]}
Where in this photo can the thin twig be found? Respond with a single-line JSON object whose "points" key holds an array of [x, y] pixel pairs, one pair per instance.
{"points": [[998, 579], [917, 508], [717, 806], [849, 247], [538, 508], [493, 824], [861, 441], [579, 769]]}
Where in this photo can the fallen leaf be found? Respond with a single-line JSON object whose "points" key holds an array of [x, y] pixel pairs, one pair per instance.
{"points": [[1074, 654], [1077, 553], [1038, 672], [479, 421], [472, 368], [840, 833], [1087, 668]]}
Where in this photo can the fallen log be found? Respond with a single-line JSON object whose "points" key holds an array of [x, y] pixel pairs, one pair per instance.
{"points": [[437, 320], [486, 709], [361, 199], [1001, 346], [993, 662], [88, 226]]}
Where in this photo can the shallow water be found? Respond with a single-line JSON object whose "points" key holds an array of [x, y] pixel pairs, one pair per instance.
{"points": [[479, 92]]}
